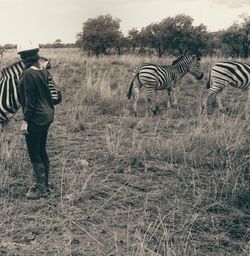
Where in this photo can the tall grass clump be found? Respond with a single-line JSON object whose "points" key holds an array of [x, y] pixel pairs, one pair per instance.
{"points": [[176, 183], [13, 165], [217, 144]]}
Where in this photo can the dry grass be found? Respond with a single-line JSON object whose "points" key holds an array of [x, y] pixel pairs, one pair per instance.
{"points": [[174, 184]]}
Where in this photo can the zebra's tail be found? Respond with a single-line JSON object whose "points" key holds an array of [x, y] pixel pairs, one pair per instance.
{"points": [[131, 87], [136, 72], [209, 80]]}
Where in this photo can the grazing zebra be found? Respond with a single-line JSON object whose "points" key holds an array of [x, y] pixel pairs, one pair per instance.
{"points": [[9, 102], [224, 73], [156, 77]]}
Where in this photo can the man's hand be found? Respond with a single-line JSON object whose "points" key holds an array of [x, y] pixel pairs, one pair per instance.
{"points": [[24, 128]]}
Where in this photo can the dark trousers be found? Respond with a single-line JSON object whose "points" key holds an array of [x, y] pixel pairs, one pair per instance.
{"points": [[36, 140]]}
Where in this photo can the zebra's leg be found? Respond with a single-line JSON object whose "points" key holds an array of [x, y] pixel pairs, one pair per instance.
{"points": [[173, 97], [218, 101], [204, 105], [214, 90], [169, 105], [154, 108], [136, 92], [3, 126], [208, 104]]}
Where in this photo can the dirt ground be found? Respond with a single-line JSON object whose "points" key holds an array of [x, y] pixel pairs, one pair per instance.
{"points": [[125, 185]]}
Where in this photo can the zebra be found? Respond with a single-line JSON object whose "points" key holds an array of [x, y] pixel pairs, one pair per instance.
{"points": [[158, 77], [223, 74], [9, 101]]}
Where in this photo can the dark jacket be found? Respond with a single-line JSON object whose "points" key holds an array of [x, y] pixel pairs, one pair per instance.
{"points": [[35, 97]]}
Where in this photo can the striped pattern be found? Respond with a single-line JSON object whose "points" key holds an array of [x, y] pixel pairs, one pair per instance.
{"points": [[155, 77], [227, 73], [9, 102]]}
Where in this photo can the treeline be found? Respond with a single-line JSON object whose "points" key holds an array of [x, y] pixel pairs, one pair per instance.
{"points": [[172, 36], [57, 44]]}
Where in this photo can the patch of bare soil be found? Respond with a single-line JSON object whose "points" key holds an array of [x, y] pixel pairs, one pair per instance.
{"points": [[107, 204], [175, 184]]}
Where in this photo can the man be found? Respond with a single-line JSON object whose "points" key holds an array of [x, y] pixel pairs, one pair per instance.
{"points": [[38, 111]]}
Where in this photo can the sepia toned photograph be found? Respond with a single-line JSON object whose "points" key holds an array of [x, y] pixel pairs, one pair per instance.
{"points": [[125, 128]]}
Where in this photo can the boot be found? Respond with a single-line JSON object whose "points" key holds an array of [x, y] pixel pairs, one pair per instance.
{"points": [[38, 189]]}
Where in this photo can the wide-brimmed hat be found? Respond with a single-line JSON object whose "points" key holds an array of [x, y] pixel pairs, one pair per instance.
{"points": [[27, 48]]}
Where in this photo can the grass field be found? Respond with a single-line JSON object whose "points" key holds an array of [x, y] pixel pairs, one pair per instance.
{"points": [[175, 184]]}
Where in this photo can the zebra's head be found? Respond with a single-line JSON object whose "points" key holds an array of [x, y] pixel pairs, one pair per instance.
{"points": [[195, 67], [44, 62], [189, 64]]}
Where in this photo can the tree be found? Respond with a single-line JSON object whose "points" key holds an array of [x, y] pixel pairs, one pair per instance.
{"points": [[100, 34], [199, 42], [183, 37], [123, 45], [246, 35], [134, 38], [175, 35], [79, 41], [57, 43], [237, 38]]}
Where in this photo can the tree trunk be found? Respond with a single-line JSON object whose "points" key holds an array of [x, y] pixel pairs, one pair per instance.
{"points": [[119, 50], [246, 46]]}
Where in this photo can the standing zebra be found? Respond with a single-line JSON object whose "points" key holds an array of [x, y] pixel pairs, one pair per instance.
{"points": [[156, 77], [224, 73], [9, 101]]}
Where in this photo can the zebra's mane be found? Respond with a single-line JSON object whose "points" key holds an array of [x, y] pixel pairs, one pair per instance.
{"points": [[7, 68], [178, 60], [16, 63], [12, 65]]}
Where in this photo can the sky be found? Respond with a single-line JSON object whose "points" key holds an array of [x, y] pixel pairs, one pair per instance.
{"points": [[44, 21]]}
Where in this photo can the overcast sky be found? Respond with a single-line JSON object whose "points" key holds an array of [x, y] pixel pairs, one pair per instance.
{"points": [[44, 21]]}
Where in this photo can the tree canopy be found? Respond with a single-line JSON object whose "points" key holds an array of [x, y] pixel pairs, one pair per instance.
{"points": [[237, 38], [100, 34], [173, 35]]}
